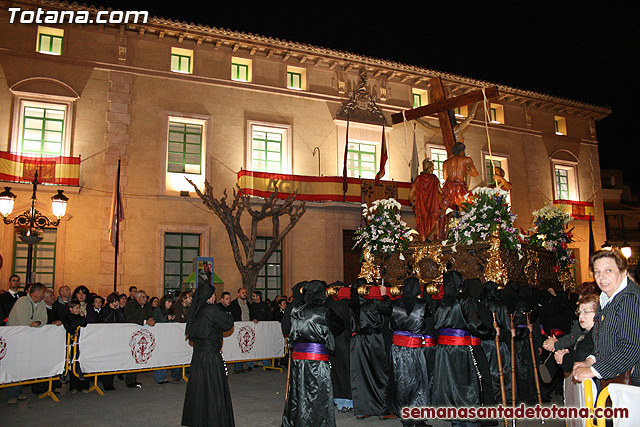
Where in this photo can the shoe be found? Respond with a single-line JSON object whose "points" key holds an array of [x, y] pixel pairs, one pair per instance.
{"points": [[362, 417], [23, 397], [134, 385], [164, 382], [176, 381], [74, 391], [13, 401], [388, 417], [85, 391]]}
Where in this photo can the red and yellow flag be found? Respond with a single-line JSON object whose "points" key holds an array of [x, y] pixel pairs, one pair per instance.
{"points": [[51, 170]]}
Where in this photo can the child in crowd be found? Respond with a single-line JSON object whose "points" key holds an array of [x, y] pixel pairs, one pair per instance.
{"points": [[72, 321]]}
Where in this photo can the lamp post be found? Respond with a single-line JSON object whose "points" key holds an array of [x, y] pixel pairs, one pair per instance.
{"points": [[32, 221]]}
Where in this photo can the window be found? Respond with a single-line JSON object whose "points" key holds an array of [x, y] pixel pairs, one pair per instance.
{"points": [[44, 258], [565, 182], [419, 97], [185, 151], [270, 276], [179, 251], [438, 156], [296, 78], [185, 147], [181, 60], [269, 148], [562, 183], [560, 125], [461, 111], [496, 114], [361, 160], [42, 128], [498, 162], [240, 69], [49, 40]]}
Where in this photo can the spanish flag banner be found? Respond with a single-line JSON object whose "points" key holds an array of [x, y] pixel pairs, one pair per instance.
{"points": [[578, 210], [51, 170], [322, 189]]}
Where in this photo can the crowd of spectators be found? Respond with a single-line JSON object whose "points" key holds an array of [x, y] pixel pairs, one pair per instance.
{"points": [[38, 305]]}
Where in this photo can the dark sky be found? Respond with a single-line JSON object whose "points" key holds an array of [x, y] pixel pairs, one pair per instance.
{"points": [[585, 51]]}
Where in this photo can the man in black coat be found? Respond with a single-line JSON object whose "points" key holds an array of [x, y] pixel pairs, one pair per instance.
{"points": [[7, 299], [240, 307], [60, 305], [259, 311], [225, 303]]}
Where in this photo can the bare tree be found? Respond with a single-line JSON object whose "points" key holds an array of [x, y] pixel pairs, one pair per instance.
{"points": [[244, 245]]}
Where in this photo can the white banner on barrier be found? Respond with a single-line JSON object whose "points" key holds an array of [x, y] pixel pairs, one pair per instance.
{"points": [[127, 346], [248, 341], [28, 353]]}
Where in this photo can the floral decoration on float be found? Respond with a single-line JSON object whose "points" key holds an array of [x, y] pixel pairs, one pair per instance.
{"points": [[384, 232], [484, 211], [549, 232]]}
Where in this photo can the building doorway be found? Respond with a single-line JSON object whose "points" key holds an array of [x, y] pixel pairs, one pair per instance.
{"points": [[351, 257]]}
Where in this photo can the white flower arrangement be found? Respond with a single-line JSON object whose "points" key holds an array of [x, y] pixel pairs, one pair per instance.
{"points": [[385, 232]]}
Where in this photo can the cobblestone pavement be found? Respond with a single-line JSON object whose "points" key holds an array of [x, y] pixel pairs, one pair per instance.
{"points": [[258, 400]]}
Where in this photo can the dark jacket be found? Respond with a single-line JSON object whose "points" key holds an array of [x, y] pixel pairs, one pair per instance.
{"points": [[6, 304], [260, 311], [135, 313], [93, 316], [52, 316], [60, 309], [579, 352], [72, 321], [110, 315], [225, 309], [180, 311]]}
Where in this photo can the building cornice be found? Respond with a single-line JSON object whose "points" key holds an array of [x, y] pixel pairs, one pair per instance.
{"points": [[330, 59]]}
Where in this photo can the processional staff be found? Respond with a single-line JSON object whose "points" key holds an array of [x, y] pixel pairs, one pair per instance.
{"points": [[502, 389]]}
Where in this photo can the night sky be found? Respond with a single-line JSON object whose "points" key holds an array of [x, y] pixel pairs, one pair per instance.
{"points": [[584, 51]]}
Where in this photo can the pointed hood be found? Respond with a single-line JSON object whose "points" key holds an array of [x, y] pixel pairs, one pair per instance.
{"points": [[200, 297]]}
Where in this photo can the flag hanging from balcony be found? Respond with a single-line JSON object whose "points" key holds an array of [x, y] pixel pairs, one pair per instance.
{"points": [[51, 170], [383, 157]]}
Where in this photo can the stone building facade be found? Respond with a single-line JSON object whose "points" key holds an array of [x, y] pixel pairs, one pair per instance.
{"points": [[174, 99]]}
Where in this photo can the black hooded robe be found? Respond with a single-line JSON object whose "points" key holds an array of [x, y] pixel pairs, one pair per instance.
{"points": [[409, 377], [369, 361], [340, 375], [456, 379], [313, 326], [207, 401]]}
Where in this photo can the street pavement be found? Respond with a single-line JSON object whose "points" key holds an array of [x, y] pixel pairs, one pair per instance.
{"points": [[258, 400]]}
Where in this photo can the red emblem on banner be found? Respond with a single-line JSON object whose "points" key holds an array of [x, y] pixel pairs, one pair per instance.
{"points": [[3, 348], [142, 344], [246, 339]]}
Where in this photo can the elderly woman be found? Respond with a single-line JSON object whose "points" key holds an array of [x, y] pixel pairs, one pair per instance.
{"points": [[583, 347], [616, 330]]}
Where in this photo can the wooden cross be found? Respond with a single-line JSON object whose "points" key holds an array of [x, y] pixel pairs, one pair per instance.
{"points": [[441, 106]]}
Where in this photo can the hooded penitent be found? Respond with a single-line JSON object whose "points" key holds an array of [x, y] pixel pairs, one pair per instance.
{"points": [[340, 360]]}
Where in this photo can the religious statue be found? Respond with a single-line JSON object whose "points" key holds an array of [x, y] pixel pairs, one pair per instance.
{"points": [[500, 181], [456, 170], [425, 199]]}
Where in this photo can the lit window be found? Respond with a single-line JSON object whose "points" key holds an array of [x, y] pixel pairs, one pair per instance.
{"points": [[361, 160], [240, 69], [419, 97], [179, 251], [43, 129], [565, 182], [560, 125], [185, 147], [269, 148], [498, 162], [43, 264], [461, 111], [438, 156], [181, 60], [296, 78], [496, 114], [49, 40], [270, 276], [184, 151]]}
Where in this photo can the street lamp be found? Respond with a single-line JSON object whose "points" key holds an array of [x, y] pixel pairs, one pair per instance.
{"points": [[31, 220], [626, 250]]}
